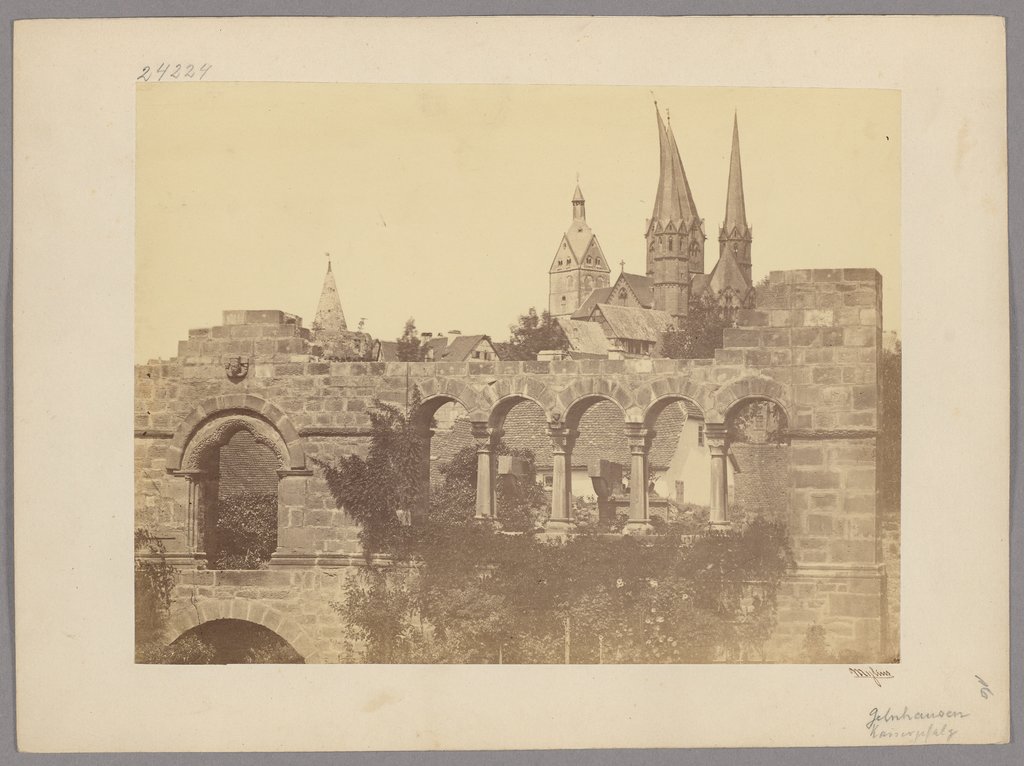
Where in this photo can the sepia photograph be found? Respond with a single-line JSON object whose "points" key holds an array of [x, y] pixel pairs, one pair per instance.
{"points": [[514, 383], [498, 374]]}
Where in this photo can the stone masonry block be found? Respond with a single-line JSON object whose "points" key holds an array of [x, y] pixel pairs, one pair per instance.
{"points": [[818, 318], [737, 337]]}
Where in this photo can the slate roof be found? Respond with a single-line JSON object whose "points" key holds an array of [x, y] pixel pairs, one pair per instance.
{"points": [[674, 201], [601, 435], [727, 275], [634, 323], [642, 287], [735, 208], [457, 350], [460, 348], [584, 337], [600, 295]]}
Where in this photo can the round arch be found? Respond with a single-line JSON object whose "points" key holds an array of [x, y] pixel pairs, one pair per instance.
{"points": [[429, 406], [736, 392], [576, 399], [245, 408], [246, 610], [501, 408], [579, 407]]}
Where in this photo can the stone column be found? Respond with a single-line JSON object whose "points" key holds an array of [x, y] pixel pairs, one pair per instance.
{"points": [[639, 444], [423, 511], [562, 440], [715, 437], [193, 515], [486, 448]]}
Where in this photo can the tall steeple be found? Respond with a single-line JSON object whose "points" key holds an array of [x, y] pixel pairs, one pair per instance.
{"points": [[675, 232], [674, 202], [329, 316], [734, 237]]}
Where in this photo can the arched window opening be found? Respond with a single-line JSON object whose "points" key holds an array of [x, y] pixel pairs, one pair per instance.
{"points": [[239, 490]]}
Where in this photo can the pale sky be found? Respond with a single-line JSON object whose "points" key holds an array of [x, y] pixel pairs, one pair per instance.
{"points": [[446, 202]]}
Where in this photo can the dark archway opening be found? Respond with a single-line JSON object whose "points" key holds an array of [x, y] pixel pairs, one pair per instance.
{"points": [[232, 642], [240, 503]]}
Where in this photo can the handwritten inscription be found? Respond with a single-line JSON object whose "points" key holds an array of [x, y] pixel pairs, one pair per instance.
{"points": [[986, 690], [914, 726], [174, 72], [875, 675]]}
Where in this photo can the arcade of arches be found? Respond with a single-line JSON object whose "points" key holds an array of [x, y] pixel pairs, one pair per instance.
{"points": [[792, 399]]}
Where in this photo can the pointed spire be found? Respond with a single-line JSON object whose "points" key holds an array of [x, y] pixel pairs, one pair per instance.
{"points": [[735, 209], [674, 201], [579, 205], [329, 316]]}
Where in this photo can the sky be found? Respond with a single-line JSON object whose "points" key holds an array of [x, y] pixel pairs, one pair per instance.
{"points": [[446, 203]]}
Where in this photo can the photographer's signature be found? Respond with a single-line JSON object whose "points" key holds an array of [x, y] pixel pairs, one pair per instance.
{"points": [[875, 675]]}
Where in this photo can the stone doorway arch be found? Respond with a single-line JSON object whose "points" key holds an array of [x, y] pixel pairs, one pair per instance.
{"points": [[235, 461]]}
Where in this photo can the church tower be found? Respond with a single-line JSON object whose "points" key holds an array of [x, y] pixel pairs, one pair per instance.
{"points": [[735, 236], [579, 266], [675, 231]]}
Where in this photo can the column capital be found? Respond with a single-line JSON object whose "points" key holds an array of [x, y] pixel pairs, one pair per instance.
{"points": [[486, 436], [716, 436], [562, 437], [639, 438]]}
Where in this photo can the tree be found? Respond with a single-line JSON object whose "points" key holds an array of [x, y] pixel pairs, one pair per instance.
{"points": [[532, 334], [455, 590], [700, 332], [410, 349], [154, 585], [378, 490]]}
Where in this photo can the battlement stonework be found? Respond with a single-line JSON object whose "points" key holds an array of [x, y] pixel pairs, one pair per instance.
{"points": [[811, 346]]}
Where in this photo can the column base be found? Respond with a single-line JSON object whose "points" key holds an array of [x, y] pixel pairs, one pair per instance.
{"points": [[638, 527], [720, 526], [559, 527], [489, 520]]}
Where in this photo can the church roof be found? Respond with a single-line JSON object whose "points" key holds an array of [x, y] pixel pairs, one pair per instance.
{"points": [[633, 323], [600, 295], [641, 285], [735, 209], [699, 283], [727, 275], [578, 195], [674, 201], [584, 337], [329, 316]]}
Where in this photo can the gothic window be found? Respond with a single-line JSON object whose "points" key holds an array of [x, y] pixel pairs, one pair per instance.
{"points": [[622, 294], [670, 244]]}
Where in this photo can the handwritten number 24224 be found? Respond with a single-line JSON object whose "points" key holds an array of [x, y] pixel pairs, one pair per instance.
{"points": [[175, 72]]}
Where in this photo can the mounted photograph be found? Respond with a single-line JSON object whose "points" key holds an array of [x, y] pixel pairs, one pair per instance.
{"points": [[516, 374]]}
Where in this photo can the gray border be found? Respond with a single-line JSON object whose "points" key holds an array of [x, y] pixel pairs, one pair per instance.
{"points": [[982, 755]]}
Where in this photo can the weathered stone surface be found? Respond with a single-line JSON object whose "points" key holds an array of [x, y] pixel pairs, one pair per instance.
{"points": [[812, 345]]}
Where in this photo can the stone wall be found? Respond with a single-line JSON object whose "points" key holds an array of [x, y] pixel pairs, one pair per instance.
{"points": [[811, 345]]}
